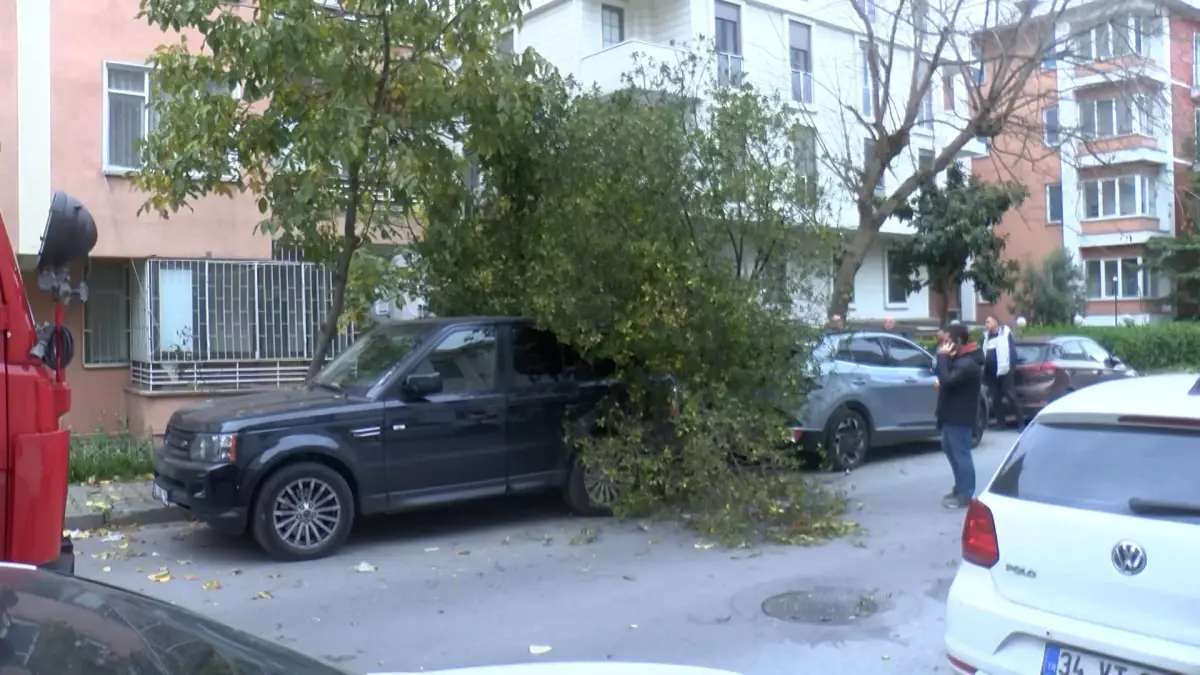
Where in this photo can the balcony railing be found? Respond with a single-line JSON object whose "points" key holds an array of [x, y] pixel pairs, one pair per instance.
{"points": [[210, 324]]}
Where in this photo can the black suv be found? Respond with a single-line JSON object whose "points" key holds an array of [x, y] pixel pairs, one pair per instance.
{"points": [[413, 414]]}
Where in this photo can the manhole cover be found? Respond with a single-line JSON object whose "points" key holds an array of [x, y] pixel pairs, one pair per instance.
{"points": [[831, 606]]}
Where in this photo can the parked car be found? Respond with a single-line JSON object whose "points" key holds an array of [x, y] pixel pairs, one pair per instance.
{"points": [[1079, 556], [53, 623], [1051, 367], [870, 390], [413, 414]]}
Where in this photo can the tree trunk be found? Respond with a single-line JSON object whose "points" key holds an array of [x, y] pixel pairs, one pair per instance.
{"points": [[329, 329], [943, 304], [843, 280]]}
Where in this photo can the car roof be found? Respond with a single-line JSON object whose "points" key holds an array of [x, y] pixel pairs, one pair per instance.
{"points": [[440, 321], [1152, 396], [1048, 339], [83, 611], [866, 333]]}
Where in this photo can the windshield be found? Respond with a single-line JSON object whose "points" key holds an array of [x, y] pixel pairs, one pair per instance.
{"points": [[1031, 353], [372, 357]]}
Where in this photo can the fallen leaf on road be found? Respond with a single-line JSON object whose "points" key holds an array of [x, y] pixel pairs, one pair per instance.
{"points": [[364, 567], [633, 626], [463, 551], [273, 575], [703, 545], [628, 577], [538, 650], [106, 569], [160, 577], [182, 562], [115, 536], [76, 534], [432, 549], [263, 595], [235, 571], [212, 585], [190, 577]]}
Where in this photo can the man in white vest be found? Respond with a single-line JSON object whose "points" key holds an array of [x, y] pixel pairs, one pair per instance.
{"points": [[999, 372]]}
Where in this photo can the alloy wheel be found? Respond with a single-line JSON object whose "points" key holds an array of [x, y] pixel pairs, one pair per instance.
{"points": [[600, 487], [850, 440], [307, 513]]}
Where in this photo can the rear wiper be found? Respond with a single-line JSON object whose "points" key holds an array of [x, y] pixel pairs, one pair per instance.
{"points": [[1157, 507]]}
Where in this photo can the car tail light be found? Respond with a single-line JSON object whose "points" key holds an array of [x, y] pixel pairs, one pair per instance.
{"points": [[1037, 368], [980, 545], [961, 665]]}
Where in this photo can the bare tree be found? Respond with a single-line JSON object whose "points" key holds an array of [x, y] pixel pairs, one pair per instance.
{"points": [[992, 61]]}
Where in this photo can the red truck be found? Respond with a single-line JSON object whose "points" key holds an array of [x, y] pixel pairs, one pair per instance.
{"points": [[34, 394]]}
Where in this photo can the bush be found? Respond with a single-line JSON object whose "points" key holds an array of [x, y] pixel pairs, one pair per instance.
{"points": [[105, 456]]}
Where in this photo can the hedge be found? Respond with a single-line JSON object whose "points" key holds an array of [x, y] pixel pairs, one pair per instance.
{"points": [[1155, 347]]}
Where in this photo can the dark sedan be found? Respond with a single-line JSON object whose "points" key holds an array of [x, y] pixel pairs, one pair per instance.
{"points": [[1051, 367]]}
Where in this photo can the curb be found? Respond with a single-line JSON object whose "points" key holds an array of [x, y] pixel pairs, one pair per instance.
{"points": [[152, 516]]}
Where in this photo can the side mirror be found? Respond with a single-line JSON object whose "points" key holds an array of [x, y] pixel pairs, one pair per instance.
{"points": [[1113, 361], [420, 385]]}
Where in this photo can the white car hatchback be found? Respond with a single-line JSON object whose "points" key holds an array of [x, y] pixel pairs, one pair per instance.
{"points": [[1082, 555]]}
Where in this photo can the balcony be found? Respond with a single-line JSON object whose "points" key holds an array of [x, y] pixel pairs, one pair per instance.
{"points": [[1128, 149], [606, 68]]}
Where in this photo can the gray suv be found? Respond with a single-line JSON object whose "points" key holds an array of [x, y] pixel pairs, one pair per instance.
{"points": [[870, 390]]}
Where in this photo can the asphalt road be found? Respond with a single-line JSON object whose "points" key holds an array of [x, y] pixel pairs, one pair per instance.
{"points": [[492, 583]]}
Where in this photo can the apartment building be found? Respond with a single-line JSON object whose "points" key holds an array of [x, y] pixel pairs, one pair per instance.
{"points": [[1118, 126], [187, 307], [813, 53]]}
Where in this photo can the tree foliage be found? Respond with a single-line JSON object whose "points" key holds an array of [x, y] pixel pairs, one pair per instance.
{"points": [[666, 237], [1177, 258], [1051, 292], [955, 239], [340, 109]]}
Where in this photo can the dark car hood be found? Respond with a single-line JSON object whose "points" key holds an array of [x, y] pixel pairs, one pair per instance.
{"points": [[234, 412]]}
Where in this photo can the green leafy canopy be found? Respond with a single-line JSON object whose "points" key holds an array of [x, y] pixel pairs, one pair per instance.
{"points": [[1052, 292], [955, 240]]}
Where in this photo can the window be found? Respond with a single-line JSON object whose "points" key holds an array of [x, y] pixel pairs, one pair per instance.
{"points": [[948, 91], [1121, 36], [864, 54], [1054, 203], [925, 160], [1132, 281], [466, 360], [506, 44], [538, 358], [868, 157], [612, 25], [1052, 132], [127, 116], [977, 57], [801, 61], [897, 293], [861, 350], [1106, 118], [925, 110], [729, 44], [1196, 60], [806, 160], [1095, 352], [1103, 468], [904, 354], [1050, 53], [106, 314], [1122, 197]]}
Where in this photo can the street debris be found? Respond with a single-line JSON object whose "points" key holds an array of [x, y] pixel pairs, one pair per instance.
{"points": [[364, 566], [212, 585], [538, 650], [262, 595], [161, 576], [432, 549]]}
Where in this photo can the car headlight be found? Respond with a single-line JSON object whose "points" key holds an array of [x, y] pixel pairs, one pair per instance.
{"points": [[213, 448]]}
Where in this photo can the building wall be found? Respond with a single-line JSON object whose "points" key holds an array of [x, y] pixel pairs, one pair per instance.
{"points": [[8, 119]]}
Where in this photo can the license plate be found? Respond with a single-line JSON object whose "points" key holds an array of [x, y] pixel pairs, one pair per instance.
{"points": [[1067, 661], [157, 492]]}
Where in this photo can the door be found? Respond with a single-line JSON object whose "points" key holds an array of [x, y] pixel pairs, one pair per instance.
{"points": [[1081, 369], [871, 381], [539, 394], [449, 445], [917, 407]]}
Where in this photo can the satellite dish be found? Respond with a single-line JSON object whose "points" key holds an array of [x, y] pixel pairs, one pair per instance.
{"points": [[70, 234]]}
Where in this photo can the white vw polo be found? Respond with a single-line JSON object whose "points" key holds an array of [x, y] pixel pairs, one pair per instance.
{"points": [[1082, 556]]}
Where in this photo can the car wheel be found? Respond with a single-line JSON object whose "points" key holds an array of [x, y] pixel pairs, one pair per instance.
{"points": [[303, 512], [590, 492], [981, 424], [847, 439]]}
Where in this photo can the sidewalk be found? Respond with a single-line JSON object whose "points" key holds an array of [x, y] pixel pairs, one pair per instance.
{"points": [[110, 503]]}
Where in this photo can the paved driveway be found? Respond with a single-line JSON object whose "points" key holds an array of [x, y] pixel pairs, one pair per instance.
{"points": [[483, 584]]}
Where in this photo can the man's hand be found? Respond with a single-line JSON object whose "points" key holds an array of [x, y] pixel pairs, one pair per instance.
{"points": [[946, 348]]}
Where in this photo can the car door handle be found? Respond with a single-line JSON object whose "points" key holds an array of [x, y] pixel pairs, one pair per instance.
{"points": [[859, 381]]}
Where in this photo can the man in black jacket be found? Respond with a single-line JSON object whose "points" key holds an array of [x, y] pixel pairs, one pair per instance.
{"points": [[960, 377]]}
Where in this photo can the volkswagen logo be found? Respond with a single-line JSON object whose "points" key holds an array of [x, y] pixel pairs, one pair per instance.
{"points": [[1128, 558]]}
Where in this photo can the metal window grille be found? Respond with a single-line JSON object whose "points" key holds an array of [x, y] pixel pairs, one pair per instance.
{"points": [[106, 313], [217, 324]]}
